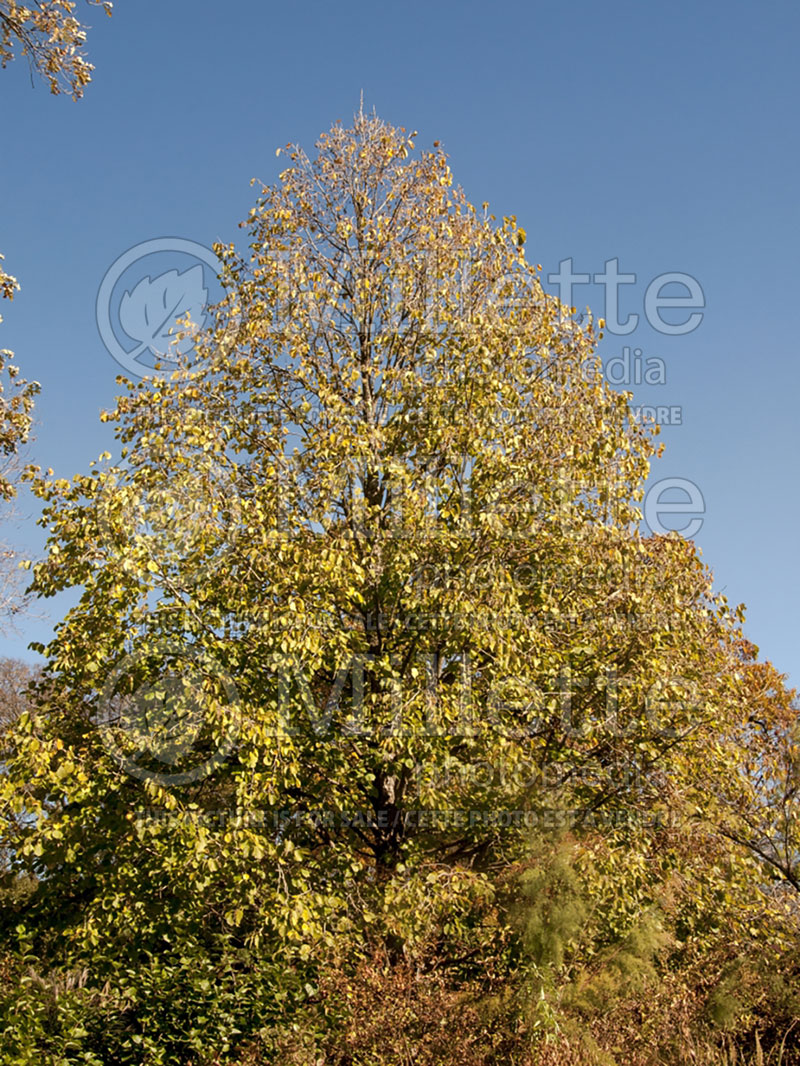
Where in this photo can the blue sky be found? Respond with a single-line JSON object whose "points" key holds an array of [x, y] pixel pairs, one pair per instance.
{"points": [[662, 136]]}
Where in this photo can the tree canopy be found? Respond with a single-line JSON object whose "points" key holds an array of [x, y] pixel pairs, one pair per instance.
{"points": [[379, 718]]}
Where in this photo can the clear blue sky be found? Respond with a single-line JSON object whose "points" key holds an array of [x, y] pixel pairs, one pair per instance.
{"points": [[663, 136]]}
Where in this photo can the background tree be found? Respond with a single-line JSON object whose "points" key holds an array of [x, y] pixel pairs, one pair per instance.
{"points": [[52, 40], [14, 678], [16, 406]]}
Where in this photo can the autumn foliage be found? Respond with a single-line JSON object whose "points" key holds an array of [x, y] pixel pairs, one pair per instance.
{"points": [[381, 733]]}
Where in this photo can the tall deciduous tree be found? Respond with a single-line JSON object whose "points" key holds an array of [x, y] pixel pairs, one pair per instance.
{"points": [[365, 605]]}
